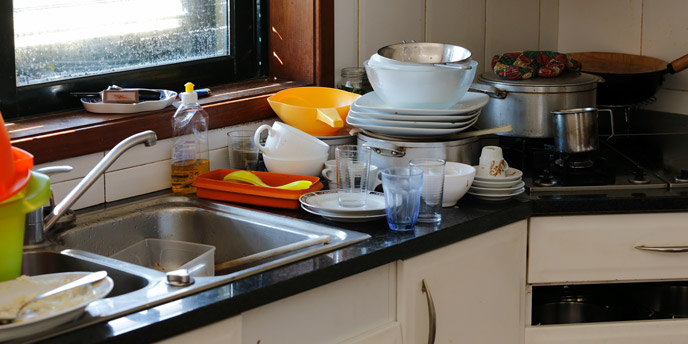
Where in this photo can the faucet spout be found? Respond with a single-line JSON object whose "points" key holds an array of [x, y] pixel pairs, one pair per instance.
{"points": [[147, 137]]}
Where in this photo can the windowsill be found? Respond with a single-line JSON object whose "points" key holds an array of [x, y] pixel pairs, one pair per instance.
{"points": [[78, 132]]}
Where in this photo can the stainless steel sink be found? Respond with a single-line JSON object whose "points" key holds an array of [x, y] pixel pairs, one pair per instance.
{"points": [[248, 242]]}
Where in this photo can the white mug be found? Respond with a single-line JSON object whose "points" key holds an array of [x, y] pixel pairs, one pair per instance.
{"points": [[492, 163], [330, 173], [284, 141]]}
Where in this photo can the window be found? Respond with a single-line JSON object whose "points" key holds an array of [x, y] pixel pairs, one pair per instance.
{"points": [[61, 46]]}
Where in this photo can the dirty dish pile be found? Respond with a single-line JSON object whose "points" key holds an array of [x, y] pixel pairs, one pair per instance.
{"points": [[326, 204], [371, 113], [494, 179], [52, 311], [289, 150]]}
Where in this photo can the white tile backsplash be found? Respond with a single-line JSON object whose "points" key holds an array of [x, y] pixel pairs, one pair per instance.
{"points": [[81, 165], [487, 27], [93, 196], [137, 180]]}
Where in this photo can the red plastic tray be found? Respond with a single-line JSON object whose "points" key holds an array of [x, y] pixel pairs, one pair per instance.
{"points": [[210, 185]]}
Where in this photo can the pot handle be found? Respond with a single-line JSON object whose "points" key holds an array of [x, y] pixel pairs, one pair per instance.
{"points": [[385, 149], [678, 65], [491, 91]]}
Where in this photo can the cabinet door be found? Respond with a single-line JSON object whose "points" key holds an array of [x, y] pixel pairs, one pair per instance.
{"points": [[328, 314], [477, 285]]}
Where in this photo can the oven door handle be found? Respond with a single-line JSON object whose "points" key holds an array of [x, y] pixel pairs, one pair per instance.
{"points": [[668, 249]]}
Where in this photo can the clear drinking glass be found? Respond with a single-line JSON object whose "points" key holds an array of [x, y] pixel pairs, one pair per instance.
{"points": [[243, 153], [433, 185], [353, 166], [402, 189]]}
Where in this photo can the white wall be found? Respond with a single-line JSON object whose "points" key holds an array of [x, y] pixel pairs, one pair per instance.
{"points": [[656, 28]]}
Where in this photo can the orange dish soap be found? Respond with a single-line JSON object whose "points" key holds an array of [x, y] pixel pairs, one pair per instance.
{"points": [[190, 142]]}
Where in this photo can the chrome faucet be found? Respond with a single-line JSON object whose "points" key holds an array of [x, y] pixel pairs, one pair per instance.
{"points": [[35, 229]]}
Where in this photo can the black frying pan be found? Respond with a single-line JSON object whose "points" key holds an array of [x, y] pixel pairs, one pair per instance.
{"points": [[629, 79]]}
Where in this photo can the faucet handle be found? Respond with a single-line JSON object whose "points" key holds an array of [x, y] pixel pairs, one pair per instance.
{"points": [[49, 171]]}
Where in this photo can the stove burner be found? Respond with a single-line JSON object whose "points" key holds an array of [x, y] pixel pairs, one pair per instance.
{"points": [[639, 177], [682, 178], [546, 180], [574, 163]]}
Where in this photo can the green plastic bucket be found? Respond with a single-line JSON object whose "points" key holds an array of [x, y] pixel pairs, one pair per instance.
{"points": [[12, 220]]}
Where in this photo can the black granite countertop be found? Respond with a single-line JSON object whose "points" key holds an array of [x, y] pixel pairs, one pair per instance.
{"points": [[471, 217]]}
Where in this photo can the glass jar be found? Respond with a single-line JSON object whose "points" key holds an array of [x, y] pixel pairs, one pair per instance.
{"points": [[354, 79]]}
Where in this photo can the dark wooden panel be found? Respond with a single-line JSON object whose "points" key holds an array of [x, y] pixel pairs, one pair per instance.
{"points": [[291, 40]]}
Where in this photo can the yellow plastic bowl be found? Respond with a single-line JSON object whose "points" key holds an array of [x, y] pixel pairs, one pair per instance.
{"points": [[12, 218], [319, 111]]}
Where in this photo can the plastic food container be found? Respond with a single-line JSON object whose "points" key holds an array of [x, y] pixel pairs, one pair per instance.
{"points": [[210, 185], [16, 163], [12, 220], [170, 255]]}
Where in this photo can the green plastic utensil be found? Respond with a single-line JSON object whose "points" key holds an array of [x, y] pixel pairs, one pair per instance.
{"points": [[250, 178]]}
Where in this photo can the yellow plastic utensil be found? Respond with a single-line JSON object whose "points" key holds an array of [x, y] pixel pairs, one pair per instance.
{"points": [[250, 178]]}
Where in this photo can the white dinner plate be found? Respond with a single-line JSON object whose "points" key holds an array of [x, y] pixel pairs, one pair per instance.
{"points": [[407, 132], [512, 174], [97, 106], [353, 109], [497, 190], [327, 202], [24, 287], [489, 197], [495, 184], [470, 102], [409, 124], [344, 218]]}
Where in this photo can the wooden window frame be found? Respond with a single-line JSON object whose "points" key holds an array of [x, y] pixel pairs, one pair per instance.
{"points": [[301, 53]]}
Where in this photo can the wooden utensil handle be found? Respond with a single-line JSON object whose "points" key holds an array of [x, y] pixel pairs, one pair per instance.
{"points": [[679, 64]]}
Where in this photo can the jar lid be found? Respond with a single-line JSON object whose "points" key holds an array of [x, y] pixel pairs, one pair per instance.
{"points": [[565, 82]]}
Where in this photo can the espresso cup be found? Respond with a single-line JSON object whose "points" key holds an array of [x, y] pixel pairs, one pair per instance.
{"points": [[492, 163], [285, 141]]}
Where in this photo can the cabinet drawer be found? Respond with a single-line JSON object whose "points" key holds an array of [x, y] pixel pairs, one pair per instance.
{"points": [[604, 248], [632, 332]]}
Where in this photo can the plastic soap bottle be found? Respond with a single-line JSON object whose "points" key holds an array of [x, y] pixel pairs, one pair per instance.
{"points": [[190, 142]]}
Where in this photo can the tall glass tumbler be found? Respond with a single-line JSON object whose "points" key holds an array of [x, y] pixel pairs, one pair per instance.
{"points": [[433, 185], [402, 188], [243, 153], [353, 166]]}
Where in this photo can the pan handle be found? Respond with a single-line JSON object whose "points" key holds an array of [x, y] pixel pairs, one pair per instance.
{"points": [[678, 65]]}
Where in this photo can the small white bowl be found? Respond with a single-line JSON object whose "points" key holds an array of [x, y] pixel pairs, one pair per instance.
{"points": [[308, 166], [458, 178]]}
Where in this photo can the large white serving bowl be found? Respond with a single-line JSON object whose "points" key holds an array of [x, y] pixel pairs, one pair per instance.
{"points": [[458, 178], [427, 87], [304, 166]]}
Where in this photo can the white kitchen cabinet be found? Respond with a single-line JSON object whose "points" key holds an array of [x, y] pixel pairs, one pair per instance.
{"points": [[604, 249], [227, 331], [587, 248], [478, 286], [331, 313]]}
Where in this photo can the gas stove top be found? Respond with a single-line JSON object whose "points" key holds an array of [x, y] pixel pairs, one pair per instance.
{"points": [[548, 171]]}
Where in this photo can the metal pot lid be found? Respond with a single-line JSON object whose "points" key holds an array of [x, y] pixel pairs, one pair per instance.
{"points": [[565, 82]]}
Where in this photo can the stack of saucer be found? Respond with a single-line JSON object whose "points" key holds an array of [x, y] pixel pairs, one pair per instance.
{"points": [[494, 179], [498, 188], [326, 204]]}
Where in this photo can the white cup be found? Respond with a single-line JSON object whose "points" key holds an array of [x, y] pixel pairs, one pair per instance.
{"points": [[492, 163], [330, 173], [284, 141]]}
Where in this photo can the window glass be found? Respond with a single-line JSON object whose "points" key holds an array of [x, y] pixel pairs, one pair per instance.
{"points": [[64, 39]]}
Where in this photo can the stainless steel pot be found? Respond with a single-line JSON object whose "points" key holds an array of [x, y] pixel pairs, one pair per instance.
{"points": [[576, 130], [388, 152], [526, 104]]}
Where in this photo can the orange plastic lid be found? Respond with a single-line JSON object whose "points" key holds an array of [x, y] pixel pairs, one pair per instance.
{"points": [[212, 186], [15, 178], [15, 165]]}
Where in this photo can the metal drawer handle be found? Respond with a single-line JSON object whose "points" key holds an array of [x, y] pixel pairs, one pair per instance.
{"points": [[669, 249], [432, 326]]}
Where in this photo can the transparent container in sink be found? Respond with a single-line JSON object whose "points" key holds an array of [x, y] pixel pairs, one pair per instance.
{"points": [[169, 255]]}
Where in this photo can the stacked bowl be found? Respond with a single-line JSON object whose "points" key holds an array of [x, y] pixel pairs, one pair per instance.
{"points": [[416, 98], [289, 150], [494, 179]]}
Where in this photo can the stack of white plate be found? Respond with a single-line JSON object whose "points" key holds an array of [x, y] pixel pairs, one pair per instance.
{"points": [[369, 112], [326, 204], [498, 188]]}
